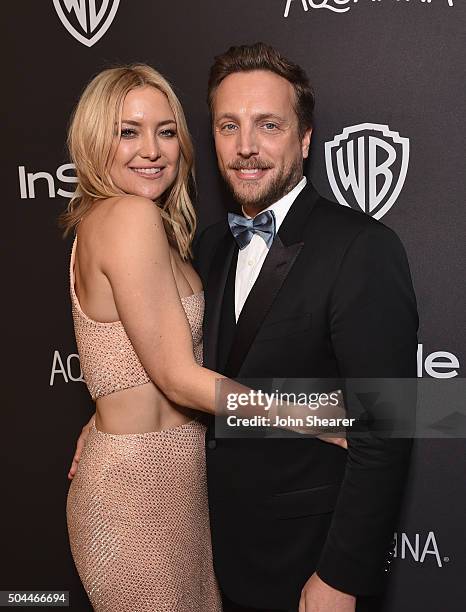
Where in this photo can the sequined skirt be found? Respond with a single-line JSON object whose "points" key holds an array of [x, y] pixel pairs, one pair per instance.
{"points": [[138, 522]]}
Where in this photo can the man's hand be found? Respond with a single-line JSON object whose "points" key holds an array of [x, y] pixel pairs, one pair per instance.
{"points": [[79, 447], [318, 596]]}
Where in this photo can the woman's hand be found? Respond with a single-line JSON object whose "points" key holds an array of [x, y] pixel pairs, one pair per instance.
{"points": [[298, 422], [338, 441]]}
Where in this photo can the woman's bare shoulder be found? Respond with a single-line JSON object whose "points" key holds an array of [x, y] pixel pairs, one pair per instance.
{"points": [[123, 216], [121, 225], [131, 207]]}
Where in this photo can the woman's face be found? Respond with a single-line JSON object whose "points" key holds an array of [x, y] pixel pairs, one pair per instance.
{"points": [[148, 152]]}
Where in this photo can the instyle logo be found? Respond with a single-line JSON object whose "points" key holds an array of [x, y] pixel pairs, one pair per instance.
{"points": [[367, 166], [28, 181], [419, 548], [86, 20], [68, 370], [343, 6]]}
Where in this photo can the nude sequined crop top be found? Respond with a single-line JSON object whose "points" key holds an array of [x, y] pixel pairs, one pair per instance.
{"points": [[108, 360]]}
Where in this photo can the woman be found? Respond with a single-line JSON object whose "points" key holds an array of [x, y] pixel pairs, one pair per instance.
{"points": [[137, 507]]}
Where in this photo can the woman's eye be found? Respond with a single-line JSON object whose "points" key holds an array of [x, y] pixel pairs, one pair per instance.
{"points": [[168, 133], [127, 133]]}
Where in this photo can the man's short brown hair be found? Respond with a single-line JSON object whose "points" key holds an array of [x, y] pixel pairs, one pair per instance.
{"points": [[260, 56]]}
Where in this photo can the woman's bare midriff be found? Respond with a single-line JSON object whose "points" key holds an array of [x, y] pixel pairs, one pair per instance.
{"points": [[139, 410]]}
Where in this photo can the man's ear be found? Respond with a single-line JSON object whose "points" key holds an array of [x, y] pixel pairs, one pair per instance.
{"points": [[305, 142]]}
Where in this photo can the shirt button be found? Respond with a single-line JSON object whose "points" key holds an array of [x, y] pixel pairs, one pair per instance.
{"points": [[250, 262], [211, 444]]}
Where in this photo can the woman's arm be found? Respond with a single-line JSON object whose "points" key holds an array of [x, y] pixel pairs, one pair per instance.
{"points": [[136, 260]]}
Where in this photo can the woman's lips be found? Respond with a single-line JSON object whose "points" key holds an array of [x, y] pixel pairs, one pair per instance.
{"points": [[148, 173]]}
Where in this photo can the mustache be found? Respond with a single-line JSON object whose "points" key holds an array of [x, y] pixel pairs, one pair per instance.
{"points": [[250, 164]]}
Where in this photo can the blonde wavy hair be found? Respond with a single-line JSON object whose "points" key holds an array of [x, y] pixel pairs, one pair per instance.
{"points": [[91, 143]]}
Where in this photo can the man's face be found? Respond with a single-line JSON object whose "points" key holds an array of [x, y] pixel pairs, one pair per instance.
{"points": [[259, 150]]}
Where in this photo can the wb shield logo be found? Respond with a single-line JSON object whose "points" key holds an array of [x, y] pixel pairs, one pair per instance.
{"points": [[86, 20], [367, 166]]}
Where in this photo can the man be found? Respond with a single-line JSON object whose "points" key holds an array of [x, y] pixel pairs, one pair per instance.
{"points": [[307, 288]]}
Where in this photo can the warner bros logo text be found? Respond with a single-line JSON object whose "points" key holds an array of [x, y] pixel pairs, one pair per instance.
{"points": [[86, 20], [367, 166]]}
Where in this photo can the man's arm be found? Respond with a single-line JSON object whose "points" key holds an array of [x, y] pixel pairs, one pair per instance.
{"points": [[373, 328], [79, 448]]}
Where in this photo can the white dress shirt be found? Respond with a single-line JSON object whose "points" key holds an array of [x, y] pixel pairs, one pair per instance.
{"points": [[251, 258]]}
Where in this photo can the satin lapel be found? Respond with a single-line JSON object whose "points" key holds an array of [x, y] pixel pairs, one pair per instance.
{"points": [[277, 265], [213, 293]]}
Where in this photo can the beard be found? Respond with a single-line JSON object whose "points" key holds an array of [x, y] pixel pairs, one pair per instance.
{"points": [[256, 198]]}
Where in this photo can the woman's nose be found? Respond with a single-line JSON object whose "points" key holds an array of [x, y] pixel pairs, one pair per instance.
{"points": [[150, 148]]}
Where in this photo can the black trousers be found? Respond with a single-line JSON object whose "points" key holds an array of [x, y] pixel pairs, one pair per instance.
{"points": [[363, 604]]}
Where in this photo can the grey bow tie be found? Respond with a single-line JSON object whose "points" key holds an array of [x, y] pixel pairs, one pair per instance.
{"points": [[243, 229]]}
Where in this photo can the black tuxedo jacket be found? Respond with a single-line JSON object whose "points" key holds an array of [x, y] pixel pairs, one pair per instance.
{"points": [[334, 299]]}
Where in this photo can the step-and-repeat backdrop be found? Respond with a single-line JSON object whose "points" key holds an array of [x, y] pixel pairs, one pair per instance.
{"points": [[389, 77]]}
